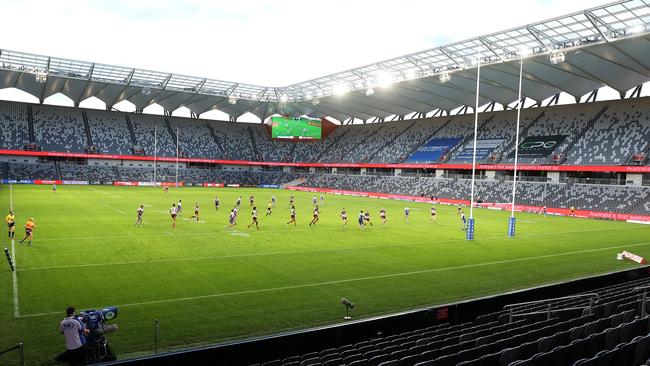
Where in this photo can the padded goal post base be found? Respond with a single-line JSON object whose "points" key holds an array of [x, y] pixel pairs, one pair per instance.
{"points": [[469, 233], [511, 227]]}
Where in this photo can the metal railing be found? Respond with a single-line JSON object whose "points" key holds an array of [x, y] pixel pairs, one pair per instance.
{"points": [[21, 352], [644, 297], [593, 299]]}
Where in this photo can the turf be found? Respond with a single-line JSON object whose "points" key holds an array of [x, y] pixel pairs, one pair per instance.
{"points": [[206, 284]]}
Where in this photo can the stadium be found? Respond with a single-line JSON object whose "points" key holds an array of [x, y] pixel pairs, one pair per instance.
{"points": [[475, 203]]}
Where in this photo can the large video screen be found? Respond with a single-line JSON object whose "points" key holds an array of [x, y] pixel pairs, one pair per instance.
{"points": [[295, 128]]}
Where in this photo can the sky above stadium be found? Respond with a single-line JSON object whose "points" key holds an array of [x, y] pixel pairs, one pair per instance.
{"points": [[271, 43]]}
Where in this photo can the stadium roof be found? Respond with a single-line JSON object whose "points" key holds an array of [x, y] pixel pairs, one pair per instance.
{"points": [[602, 46]]}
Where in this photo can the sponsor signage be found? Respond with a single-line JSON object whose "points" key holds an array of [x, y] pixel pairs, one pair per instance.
{"points": [[433, 150], [78, 182], [233, 185], [483, 149], [502, 206], [133, 184], [538, 146], [268, 186], [217, 185]]}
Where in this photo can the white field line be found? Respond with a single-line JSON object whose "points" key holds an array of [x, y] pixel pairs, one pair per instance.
{"points": [[310, 229], [191, 259], [357, 279], [13, 253]]}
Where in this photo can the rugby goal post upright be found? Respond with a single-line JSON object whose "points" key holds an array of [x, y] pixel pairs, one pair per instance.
{"points": [[469, 229], [155, 152], [512, 222], [177, 153]]}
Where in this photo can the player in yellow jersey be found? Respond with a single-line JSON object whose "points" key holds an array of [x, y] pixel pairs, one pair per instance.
{"points": [[269, 208], [10, 219], [29, 231]]}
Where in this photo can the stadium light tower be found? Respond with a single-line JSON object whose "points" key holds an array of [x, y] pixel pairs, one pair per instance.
{"points": [[444, 77], [469, 233], [512, 222]]}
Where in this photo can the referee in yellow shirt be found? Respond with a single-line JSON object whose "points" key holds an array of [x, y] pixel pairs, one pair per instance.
{"points": [[10, 219]]}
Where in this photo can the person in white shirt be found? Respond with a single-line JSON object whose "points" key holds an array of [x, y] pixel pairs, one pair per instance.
{"points": [[75, 333]]}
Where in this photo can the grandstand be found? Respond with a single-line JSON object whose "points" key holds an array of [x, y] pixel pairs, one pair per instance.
{"points": [[432, 136]]}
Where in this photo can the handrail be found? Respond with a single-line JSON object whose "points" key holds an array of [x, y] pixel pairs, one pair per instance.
{"points": [[556, 298], [644, 297], [21, 353], [549, 309]]}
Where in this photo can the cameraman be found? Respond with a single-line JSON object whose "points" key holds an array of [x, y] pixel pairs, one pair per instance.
{"points": [[75, 333]]}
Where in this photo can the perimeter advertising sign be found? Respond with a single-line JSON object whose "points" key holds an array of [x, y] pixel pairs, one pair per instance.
{"points": [[538, 146], [433, 150], [483, 149]]}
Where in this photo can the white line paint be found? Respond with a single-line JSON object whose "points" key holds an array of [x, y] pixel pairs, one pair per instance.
{"points": [[122, 212], [357, 279], [169, 233], [13, 254], [337, 229]]}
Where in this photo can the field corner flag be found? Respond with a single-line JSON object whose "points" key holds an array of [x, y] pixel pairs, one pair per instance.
{"points": [[511, 226], [470, 229]]}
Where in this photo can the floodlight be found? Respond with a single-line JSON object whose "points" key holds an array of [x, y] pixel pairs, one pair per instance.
{"points": [[348, 305], [146, 91], [370, 91], [41, 77], [556, 57], [319, 93], [284, 98], [315, 102], [444, 77], [308, 96], [385, 79], [340, 89], [410, 74], [232, 100], [636, 29], [525, 51]]}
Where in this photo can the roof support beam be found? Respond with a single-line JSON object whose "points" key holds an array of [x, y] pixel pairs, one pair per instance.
{"points": [[164, 83], [451, 54], [126, 87], [596, 21], [492, 46], [44, 88], [90, 76], [540, 37]]}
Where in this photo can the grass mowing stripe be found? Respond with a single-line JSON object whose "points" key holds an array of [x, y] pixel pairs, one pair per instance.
{"points": [[189, 259], [390, 275], [13, 253]]}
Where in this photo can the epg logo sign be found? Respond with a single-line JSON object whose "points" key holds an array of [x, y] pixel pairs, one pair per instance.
{"points": [[538, 145]]}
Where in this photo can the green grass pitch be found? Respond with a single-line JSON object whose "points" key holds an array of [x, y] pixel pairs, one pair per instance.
{"points": [[207, 284]]}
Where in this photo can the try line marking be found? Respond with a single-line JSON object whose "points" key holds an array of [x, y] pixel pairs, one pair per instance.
{"points": [[357, 279], [13, 253], [286, 252]]}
